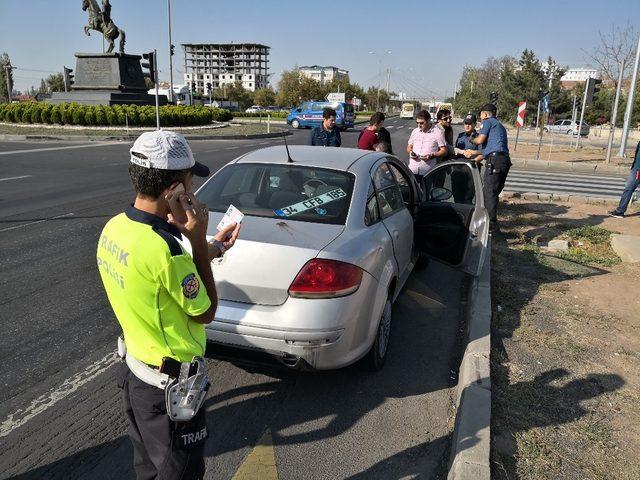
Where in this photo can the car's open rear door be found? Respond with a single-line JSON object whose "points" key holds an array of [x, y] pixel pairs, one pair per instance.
{"points": [[452, 224]]}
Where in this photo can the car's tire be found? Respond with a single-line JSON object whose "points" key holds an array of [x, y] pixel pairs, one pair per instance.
{"points": [[545, 129], [295, 123], [378, 353], [569, 132]]}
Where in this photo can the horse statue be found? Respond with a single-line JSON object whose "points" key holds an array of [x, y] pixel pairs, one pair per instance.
{"points": [[100, 20]]}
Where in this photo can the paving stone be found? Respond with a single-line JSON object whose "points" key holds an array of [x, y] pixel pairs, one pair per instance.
{"points": [[558, 245], [627, 247]]}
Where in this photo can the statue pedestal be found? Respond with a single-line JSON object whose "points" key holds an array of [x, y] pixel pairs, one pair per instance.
{"points": [[107, 79]]}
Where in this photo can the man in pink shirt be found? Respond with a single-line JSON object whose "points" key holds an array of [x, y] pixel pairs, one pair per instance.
{"points": [[426, 145]]}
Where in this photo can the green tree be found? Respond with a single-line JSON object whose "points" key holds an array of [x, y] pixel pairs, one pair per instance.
{"points": [[5, 61], [43, 86], [55, 83], [264, 96], [235, 92]]}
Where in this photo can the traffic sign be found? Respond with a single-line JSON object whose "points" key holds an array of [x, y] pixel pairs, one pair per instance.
{"points": [[336, 97], [522, 110]]}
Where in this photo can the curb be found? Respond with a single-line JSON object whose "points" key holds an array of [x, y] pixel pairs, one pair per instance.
{"points": [[571, 166], [470, 445], [21, 138], [560, 197]]}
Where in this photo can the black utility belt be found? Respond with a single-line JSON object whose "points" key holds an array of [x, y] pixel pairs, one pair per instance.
{"points": [[495, 154]]}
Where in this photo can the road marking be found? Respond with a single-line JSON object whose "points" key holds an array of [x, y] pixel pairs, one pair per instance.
{"points": [[38, 221], [15, 178], [401, 126], [48, 400], [261, 461], [231, 148], [390, 126], [50, 149]]}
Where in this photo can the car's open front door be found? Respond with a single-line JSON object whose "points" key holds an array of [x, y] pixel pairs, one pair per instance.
{"points": [[452, 224]]}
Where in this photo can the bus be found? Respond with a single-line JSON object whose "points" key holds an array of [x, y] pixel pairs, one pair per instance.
{"points": [[409, 110]]}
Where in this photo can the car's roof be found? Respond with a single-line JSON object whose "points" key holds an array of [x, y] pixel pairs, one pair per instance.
{"points": [[329, 157]]}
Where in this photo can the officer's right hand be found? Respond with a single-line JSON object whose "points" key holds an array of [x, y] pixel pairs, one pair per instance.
{"points": [[195, 226]]}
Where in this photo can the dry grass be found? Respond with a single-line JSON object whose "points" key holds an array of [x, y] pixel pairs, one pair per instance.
{"points": [[562, 407]]}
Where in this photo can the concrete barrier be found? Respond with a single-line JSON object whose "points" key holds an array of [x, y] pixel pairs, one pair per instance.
{"points": [[471, 438]]}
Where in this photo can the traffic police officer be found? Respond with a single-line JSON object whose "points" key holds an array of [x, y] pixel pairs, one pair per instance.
{"points": [[493, 138], [162, 297]]}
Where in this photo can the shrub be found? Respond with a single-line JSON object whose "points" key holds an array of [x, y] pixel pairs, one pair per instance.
{"points": [[78, 116], [90, 117], [36, 115], [56, 117]]}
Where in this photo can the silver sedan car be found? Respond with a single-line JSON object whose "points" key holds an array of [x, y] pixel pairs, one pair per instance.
{"points": [[328, 239]]}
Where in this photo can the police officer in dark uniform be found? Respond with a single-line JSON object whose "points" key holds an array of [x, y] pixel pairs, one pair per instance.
{"points": [[464, 148], [493, 138]]}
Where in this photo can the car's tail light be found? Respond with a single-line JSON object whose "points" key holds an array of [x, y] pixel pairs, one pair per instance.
{"points": [[320, 278]]}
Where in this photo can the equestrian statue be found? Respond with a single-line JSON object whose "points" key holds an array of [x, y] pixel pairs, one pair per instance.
{"points": [[100, 20]]}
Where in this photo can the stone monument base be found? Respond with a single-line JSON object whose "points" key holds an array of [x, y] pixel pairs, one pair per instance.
{"points": [[107, 79], [97, 97]]}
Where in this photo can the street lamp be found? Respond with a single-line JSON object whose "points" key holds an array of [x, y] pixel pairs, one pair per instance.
{"points": [[379, 75], [170, 54]]}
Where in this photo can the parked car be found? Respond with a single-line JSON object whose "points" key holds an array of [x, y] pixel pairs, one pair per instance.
{"points": [[309, 114], [327, 242], [255, 109], [569, 127]]}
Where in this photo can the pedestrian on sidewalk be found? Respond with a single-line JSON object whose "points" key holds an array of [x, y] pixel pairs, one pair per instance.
{"points": [[493, 139], [464, 148], [162, 297], [426, 145], [632, 183], [326, 134], [368, 137], [443, 118]]}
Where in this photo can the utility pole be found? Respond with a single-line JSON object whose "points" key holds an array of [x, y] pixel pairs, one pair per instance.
{"points": [[387, 89], [573, 109], [629, 110], [614, 115], [170, 54], [538, 114], [155, 74], [584, 106], [7, 72]]}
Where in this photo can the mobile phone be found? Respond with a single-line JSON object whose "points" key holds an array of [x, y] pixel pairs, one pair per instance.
{"points": [[174, 203], [413, 154], [170, 366]]}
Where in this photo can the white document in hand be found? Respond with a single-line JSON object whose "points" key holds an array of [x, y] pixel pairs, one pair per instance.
{"points": [[232, 215]]}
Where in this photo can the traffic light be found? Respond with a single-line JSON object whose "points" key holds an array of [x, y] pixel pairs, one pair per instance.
{"points": [[592, 88], [150, 65], [67, 74], [493, 97], [208, 86], [171, 52]]}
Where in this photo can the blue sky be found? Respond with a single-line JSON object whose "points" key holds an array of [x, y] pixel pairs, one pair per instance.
{"points": [[429, 41]]}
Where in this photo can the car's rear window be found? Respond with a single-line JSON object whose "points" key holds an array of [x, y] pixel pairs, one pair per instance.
{"points": [[281, 191]]}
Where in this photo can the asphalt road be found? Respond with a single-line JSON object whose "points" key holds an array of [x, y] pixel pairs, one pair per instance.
{"points": [[60, 409]]}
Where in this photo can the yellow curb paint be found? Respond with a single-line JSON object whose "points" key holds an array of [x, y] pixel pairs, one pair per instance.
{"points": [[260, 464]]}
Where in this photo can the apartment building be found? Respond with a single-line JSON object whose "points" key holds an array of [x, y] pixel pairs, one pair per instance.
{"points": [[324, 74], [221, 64]]}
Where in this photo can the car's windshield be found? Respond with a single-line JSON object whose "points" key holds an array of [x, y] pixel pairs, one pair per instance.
{"points": [[281, 191]]}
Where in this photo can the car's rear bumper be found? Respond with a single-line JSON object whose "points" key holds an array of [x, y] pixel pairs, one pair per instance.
{"points": [[302, 333]]}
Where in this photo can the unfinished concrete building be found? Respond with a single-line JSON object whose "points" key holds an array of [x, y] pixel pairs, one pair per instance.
{"points": [[221, 64]]}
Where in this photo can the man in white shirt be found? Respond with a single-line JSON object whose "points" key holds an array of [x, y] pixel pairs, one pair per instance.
{"points": [[426, 146]]}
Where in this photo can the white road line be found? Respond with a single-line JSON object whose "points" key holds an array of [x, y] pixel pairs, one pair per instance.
{"points": [[15, 178], [48, 400], [401, 126], [38, 221], [231, 148], [390, 126], [50, 149]]}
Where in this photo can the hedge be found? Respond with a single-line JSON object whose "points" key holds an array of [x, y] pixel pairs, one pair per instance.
{"points": [[114, 115], [261, 114]]}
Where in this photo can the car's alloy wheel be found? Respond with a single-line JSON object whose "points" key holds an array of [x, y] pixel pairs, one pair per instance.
{"points": [[295, 124], [378, 352]]}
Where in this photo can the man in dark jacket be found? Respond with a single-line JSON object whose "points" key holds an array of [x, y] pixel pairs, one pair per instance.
{"points": [[632, 183], [326, 134]]}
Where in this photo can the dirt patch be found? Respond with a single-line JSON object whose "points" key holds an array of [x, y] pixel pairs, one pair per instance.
{"points": [[565, 347]]}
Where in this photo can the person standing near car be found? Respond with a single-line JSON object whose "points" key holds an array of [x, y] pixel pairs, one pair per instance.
{"points": [[426, 145], [493, 138], [464, 148], [632, 183], [162, 297], [369, 136], [326, 134], [443, 118]]}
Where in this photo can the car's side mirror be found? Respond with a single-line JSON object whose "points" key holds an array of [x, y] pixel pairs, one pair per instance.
{"points": [[298, 110], [440, 194]]}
